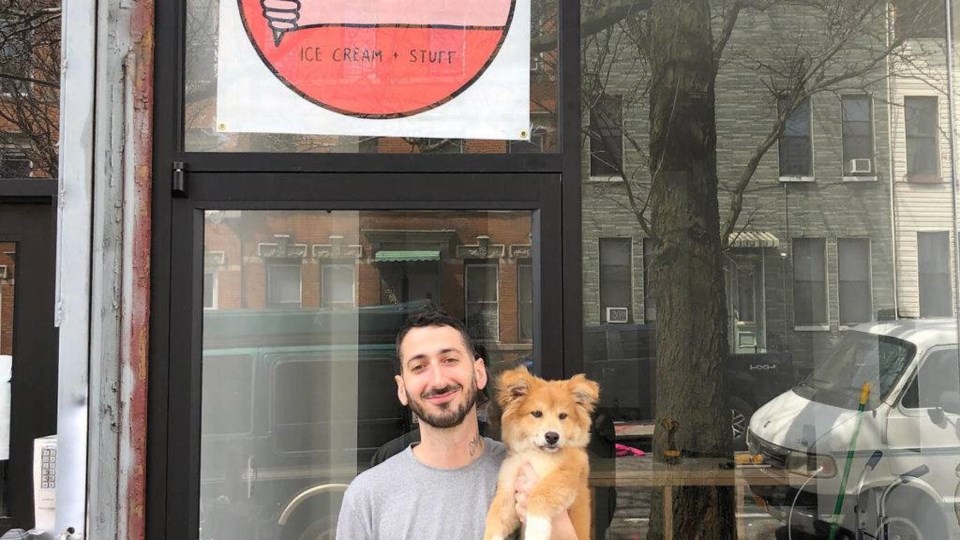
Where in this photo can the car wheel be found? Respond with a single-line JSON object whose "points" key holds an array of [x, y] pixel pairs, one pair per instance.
{"points": [[740, 413]]}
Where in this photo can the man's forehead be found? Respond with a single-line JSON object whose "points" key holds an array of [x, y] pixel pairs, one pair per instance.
{"points": [[430, 340]]}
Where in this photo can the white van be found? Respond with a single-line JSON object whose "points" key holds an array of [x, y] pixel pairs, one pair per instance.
{"points": [[904, 477]]}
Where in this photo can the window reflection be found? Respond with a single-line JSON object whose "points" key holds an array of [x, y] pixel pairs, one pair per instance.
{"points": [[301, 312], [782, 180], [30, 73]]}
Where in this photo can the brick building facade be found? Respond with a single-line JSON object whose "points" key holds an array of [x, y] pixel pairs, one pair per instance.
{"points": [[806, 210]]}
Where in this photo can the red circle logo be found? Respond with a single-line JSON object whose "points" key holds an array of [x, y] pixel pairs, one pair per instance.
{"points": [[377, 58]]}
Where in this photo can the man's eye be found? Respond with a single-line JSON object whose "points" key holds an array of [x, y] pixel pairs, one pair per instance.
{"points": [[449, 360], [416, 369], [537, 414], [563, 416]]}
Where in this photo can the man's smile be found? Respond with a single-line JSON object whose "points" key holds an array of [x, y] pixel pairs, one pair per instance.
{"points": [[441, 395]]}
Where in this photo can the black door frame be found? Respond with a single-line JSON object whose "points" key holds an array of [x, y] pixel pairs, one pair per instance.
{"points": [[27, 217], [547, 183], [536, 192]]}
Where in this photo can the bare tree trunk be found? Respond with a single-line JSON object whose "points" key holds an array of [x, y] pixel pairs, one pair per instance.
{"points": [[687, 268]]}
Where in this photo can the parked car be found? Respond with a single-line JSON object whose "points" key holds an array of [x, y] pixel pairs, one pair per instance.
{"points": [[906, 444], [295, 403], [622, 358]]}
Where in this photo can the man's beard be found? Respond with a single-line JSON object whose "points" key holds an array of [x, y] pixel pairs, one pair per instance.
{"points": [[448, 418]]}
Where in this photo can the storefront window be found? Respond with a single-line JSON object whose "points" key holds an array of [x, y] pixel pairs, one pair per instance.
{"points": [[29, 88], [767, 208], [8, 257], [298, 346], [360, 57]]}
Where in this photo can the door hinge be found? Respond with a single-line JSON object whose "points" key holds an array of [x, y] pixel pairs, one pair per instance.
{"points": [[179, 184]]}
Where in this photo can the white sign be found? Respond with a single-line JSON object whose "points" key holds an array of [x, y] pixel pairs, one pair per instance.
{"points": [[411, 68], [6, 372]]}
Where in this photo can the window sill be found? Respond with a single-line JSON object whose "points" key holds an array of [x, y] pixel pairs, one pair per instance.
{"points": [[855, 179], [924, 178], [606, 178], [813, 328], [797, 179], [850, 326]]}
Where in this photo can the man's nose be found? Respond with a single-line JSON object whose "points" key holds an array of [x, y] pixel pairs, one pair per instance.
{"points": [[436, 377], [552, 437]]}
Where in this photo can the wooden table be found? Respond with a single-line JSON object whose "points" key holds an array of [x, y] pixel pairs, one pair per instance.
{"points": [[638, 472]]}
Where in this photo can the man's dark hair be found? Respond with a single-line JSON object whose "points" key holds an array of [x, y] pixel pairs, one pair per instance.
{"points": [[432, 318]]}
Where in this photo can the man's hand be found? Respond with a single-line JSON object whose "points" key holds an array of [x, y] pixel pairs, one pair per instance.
{"points": [[561, 527]]}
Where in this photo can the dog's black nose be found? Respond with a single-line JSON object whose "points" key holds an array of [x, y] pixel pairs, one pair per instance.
{"points": [[552, 437]]}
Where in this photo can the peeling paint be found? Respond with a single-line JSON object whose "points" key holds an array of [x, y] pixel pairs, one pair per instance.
{"points": [[137, 338]]}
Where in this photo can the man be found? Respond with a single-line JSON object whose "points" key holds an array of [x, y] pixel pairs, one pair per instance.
{"points": [[441, 487], [484, 406]]}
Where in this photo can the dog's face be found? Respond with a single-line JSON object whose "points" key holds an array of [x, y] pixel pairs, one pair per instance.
{"points": [[545, 415]]}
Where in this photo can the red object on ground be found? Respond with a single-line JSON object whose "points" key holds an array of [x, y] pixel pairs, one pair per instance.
{"points": [[623, 450]]}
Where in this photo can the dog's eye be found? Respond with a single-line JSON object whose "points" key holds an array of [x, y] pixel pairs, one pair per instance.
{"points": [[537, 414], [563, 416]]}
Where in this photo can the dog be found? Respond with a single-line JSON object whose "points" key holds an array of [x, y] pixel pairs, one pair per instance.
{"points": [[545, 423]]}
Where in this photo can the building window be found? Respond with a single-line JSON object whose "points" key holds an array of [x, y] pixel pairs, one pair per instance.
{"points": [[649, 298], [14, 164], [857, 125], [796, 145], [15, 51], [809, 281], [615, 279], [606, 137], [283, 285], [920, 19], [338, 285], [210, 290], [856, 304], [483, 300], [746, 299], [525, 299], [920, 117], [933, 267]]}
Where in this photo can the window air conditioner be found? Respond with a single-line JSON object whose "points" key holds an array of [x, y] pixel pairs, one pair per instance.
{"points": [[861, 166], [618, 315]]}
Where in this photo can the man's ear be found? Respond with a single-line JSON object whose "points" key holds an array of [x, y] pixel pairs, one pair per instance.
{"points": [[512, 385], [585, 392], [401, 390], [480, 369]]}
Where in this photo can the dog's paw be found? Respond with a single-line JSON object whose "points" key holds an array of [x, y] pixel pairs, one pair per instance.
{"points": [[537, 528], [490, 536]]}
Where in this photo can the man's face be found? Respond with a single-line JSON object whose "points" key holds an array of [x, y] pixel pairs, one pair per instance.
{"points": [[440, 379]]}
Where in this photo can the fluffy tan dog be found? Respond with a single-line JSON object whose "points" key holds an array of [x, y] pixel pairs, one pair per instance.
{"points": [[545, 423]]}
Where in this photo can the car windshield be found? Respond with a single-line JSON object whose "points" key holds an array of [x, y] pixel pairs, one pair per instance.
{"points": [[858, 358]]}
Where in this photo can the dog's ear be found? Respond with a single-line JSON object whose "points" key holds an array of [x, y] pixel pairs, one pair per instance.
{"points": [[585, 392], [512, 385]]}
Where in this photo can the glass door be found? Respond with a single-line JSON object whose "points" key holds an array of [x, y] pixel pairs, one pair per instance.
{"points": [[286, 310], [28, 363]]}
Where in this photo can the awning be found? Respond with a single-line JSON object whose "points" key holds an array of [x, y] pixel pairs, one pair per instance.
{"points": [[407, 256], [755, 239]]}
